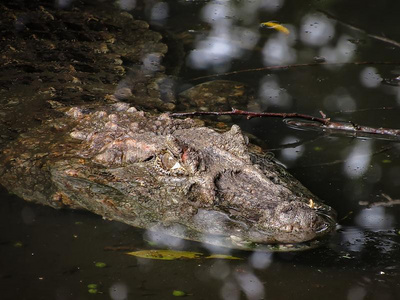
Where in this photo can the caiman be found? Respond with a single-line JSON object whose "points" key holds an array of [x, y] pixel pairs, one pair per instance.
{"points": [[158, 173], [144, 169]]}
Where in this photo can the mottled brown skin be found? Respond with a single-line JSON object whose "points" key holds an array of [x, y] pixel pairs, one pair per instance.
{"points": [[164, 174], [146, 170]]}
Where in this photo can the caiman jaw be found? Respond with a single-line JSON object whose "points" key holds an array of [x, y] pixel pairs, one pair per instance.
{"points": [[275, 211], [289, 237], [294, 222], [329, 220]]}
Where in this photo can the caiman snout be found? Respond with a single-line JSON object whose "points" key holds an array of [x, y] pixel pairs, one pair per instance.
{"points": [[294, 222], [275, 206]]}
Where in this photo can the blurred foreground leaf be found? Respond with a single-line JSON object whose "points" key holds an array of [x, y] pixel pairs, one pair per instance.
{"points": [[173, 255]]}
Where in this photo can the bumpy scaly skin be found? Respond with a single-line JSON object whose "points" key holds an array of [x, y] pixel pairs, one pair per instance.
{"points": [[166, 174]]}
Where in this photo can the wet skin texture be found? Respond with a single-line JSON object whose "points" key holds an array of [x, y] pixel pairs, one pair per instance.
{"points": [[164, 174], [149, 171]]}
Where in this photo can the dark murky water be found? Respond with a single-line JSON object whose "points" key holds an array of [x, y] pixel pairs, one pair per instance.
{"points": [[49, 254]]}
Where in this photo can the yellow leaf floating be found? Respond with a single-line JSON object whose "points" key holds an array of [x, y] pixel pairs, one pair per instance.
{"points": [[173, 255], [276, 26]]}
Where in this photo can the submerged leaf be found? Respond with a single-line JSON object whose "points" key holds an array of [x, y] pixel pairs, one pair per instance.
{"points": [[276, 26], [166, 254], [173, 255], [223, 256]]}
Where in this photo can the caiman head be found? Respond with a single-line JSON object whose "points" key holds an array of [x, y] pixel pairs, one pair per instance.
{"points": [[184, 179]]}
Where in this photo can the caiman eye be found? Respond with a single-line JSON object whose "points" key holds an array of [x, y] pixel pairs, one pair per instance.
{"points": [[188, 162], [169, 164], [168, 161]]}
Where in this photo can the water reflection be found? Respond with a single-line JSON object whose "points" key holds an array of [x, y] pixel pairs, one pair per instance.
{"points": [[271, 94], [230, 291], [358, 160], [372, 242], [290, 155], [159, 13], [342, 52], [162, 239], [394, 176], [261, 260], [241, 279], [28, 215], [233, 32], [220, 270], [224, 42], [127, 4], [119, 291], [316, 29], [356, 293], [279, 49], [271, 5], [376, 218], [152, 62], [339, 100], [250, 285], [374, 174], [63, 3], [370, 77]]}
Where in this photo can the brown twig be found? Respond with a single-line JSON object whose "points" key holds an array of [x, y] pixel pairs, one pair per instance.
{"points": [[295, 120], [348, 127], [250, 114], [387, 203]]}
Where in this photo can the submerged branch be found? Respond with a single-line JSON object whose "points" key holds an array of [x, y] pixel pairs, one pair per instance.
{"points": [[376, 37], [292, 66], [341, 161], [303, 121]]}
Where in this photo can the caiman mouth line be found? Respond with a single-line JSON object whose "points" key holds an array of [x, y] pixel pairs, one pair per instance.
{"points": [[322, 235], [329, 223]]}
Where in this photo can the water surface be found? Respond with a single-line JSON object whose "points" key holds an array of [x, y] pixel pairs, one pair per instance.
{"points": [[50, 254]]}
